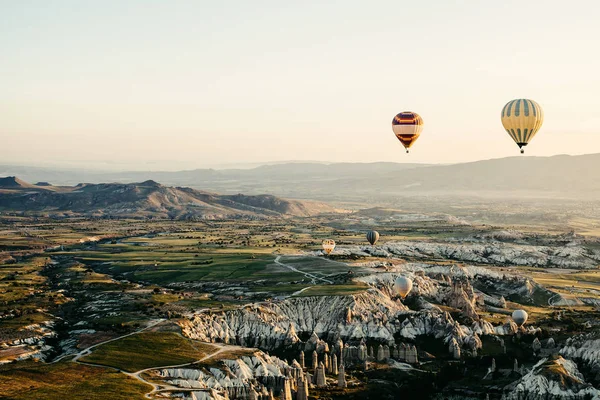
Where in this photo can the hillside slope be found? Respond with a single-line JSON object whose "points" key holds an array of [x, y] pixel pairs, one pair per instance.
{"points": [[562, 176], [144, 200]]}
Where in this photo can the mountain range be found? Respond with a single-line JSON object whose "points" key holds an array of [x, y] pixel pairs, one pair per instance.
{"points": [[559, 176], [146, 199]]}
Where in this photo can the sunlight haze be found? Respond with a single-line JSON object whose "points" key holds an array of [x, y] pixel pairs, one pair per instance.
{"points": [[190, 84]]}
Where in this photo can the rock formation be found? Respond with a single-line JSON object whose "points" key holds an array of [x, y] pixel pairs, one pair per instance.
{"points": [[302, 392], [334, 365], [380, 354], [576, 256], [291, 337], [362, 351], [536, 345], [407, 353], [342, 377], [313, 342], [319, 378], [411, 354], [252, 395], [585, 349], [473, 342], [463, 297], [509, 328], [554, 378], [238, 378], [386, 352], [454, 349], [286, 393]]}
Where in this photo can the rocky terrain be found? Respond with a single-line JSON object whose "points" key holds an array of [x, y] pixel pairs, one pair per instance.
{"points": [[224, 321], [344, 325], [553, 377], [570, 255]]}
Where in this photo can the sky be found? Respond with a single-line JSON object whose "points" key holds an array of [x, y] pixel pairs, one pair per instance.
{"points": [[152, 84]]}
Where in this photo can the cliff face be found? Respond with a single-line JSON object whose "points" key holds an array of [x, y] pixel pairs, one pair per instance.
{"points": [[268, 325], [586, 350], [370, 315], [570, 255], [554, 378], [375, 314], [240, 378]]}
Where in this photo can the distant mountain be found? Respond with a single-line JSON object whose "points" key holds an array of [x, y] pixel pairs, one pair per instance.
{"points": [[559, 177], [146, 199], [567, 177], [224, 177], [12, 182]]}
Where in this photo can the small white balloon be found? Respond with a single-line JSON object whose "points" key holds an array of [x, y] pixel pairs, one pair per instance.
{"points": [[403, 286], [520, 317]]}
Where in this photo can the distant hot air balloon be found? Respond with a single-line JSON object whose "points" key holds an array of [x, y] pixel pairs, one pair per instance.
{"points": [[522, 118], [407, 127], [372, 237], [403, 286], [328, 245], [520, 317]]}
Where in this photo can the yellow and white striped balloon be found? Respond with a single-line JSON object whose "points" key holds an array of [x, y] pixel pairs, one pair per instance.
{"points": [[522, 119], [328, 245]]}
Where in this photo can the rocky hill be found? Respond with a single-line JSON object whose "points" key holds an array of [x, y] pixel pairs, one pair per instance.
{"points": [[12, 182], [555, 378], [145, 199]]}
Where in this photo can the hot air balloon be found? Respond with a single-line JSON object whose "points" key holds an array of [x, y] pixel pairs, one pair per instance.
{"points": [[522, 118], [372, 237], [407, 127], [520, 317], [328, 246], [403, 286]]}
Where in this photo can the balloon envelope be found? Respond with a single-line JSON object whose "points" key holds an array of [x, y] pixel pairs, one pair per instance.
{"points": [[522, 119], [403, 286], [520, 317], [407, 127], [372, 237], [328, 245]]}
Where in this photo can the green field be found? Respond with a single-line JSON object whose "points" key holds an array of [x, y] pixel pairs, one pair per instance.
{"points": [[147, 350], [334, 290], [172, 263], [67, 380]]}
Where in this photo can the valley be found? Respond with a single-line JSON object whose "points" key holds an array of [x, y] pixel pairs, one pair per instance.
{"points": [[251, 308]]}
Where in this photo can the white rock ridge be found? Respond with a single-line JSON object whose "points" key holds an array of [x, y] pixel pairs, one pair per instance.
{"points": [[554, 378]]}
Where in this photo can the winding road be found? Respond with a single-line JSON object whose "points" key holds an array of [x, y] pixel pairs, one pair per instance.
{"points": [[88, 350], [138, 374], [162, 388], [308, 275]]}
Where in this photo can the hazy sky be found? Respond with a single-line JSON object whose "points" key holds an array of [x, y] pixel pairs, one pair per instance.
{"points": [[183, 84]]}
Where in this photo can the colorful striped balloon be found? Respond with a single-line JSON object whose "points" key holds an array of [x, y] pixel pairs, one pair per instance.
{"points": [[522, 119], [407, 127], [372, 237]]}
